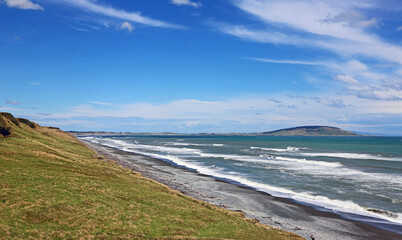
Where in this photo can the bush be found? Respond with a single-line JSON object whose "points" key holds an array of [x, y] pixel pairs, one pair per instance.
{"points": [[4, 129], [27, 122]]}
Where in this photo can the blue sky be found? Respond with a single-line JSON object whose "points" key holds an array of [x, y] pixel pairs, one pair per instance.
{"points": [[203, 66]]}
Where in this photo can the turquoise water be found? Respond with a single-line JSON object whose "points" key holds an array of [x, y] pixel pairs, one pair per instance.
{"points": [[361, 176]]}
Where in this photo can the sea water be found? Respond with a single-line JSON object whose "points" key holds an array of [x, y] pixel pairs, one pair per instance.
{"points": [[357, 177]]}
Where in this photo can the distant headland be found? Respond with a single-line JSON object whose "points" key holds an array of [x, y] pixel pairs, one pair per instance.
{"points": [[311, 131]]}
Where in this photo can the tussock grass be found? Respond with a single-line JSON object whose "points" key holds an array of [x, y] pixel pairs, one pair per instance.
{"points": [[53, 187]]}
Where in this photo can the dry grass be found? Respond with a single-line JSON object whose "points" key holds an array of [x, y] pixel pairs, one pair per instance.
{"points": [[53, 187]]}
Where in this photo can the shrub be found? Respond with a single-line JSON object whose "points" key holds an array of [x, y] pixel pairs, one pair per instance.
{"points": [[27, 122], [4, 129]]}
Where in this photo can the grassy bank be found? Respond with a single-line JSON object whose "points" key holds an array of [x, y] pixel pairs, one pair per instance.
{"points": [[52, 186]]}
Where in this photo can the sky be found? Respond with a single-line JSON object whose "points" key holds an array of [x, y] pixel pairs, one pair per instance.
{"points": [[190, 66]]}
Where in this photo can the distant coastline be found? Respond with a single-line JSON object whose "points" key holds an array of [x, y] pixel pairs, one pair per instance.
{"points": [[295, 131]]}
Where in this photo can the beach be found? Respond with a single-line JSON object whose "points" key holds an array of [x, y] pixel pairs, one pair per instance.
{"points": [[277, 212]]}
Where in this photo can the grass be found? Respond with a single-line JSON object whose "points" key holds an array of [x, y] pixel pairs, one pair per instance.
{"points": [[53, 187]]}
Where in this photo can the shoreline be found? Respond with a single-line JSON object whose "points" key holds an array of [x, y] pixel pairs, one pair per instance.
{"points": [[282, 213]]}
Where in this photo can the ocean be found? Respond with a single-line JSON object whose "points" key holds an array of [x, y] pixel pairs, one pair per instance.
{"points": [[359, 178]]}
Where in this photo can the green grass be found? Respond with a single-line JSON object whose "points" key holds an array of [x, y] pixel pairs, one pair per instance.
{"points": [[53, 187]]}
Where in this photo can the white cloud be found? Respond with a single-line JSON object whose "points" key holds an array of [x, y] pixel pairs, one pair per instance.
{"points": [[71, 123], [261, 36], [95, 7], [306, 15], [11, 109], [399, 28], [187, 3], [101, 103], [347, 79], [350, 67], [352, 18], [387, 90], [297, 62], [23, 4], [35, 83], [360, 81], [376, 49], [357, 69], [371, 84], [127, 26], [332, 25], [12, 102]]}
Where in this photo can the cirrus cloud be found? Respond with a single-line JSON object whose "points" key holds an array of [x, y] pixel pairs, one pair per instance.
{"points": [[337, 26], [105, 10]]}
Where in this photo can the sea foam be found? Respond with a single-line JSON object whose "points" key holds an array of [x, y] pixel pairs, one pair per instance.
{"points": [[288, 149], [351, 156], [296, 151]]}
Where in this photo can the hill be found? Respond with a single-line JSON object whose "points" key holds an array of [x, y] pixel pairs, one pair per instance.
{"points": [[53, 187], [311, 131]]}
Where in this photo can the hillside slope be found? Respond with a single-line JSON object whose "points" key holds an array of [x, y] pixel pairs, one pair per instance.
{"points": [[53, 187], [311, 131]]}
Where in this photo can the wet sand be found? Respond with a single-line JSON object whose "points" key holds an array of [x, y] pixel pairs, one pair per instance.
{"points": [[281, 213]]}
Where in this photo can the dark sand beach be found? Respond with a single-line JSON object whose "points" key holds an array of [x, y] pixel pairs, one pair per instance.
{"points": [[276, 212]]}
